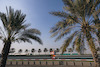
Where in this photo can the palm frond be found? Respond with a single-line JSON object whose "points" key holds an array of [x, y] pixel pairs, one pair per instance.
{"points": [[78, 44], [64, 32], [95, 14], [59, 26], [62, 25], [62, 28], [32, 31], [31, 36], [60, 14], [4, 20], [23, 39], [68, 3], [74, 7], [72, 19], [2, 33], [67, 42]]}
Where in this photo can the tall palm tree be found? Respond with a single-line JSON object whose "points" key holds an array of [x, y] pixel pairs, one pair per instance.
{"points": [[79, 21], [33, 50], [15, 30], [45, 50]]}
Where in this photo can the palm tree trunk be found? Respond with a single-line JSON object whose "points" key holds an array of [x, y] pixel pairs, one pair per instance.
{"points": [[5, 52], [93, 49]]}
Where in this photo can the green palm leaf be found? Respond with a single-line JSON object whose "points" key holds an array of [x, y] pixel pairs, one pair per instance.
{"points": [[67, 42]]}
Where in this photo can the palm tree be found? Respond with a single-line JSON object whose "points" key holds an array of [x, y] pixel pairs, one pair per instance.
{"points": [[33, 50], [26, 51], [12, 50], [45, 50], [15, 30], [70, 50], [20, 51], [57, 50], [39, 51], [79, 21], [51, 50]]}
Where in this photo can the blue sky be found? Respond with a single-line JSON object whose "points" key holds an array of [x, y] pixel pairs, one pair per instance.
{"points": [[37, 14]]}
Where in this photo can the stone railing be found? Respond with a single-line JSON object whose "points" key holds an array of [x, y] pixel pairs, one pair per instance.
{"points": [[37, 62]]}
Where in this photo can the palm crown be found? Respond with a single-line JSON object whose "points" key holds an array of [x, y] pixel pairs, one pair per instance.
{"points": [[16, 29], [80, 19]]}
